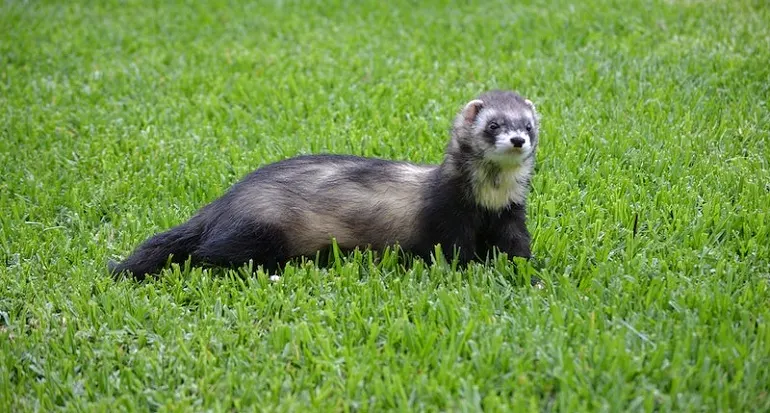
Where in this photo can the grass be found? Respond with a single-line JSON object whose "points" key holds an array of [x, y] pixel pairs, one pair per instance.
{"points": [[650, 208]]}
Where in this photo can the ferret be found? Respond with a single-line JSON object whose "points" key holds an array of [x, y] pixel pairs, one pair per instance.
{"points": [[470, 204]]}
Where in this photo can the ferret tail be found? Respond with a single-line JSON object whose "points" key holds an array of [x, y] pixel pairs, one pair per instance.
{"points": [[151, 256]]}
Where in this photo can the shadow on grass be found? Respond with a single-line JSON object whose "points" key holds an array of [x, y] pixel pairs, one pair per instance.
{"points": [[365, 263]]}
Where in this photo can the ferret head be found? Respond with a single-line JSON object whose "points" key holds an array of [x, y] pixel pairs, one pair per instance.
{"points": [[500, 127]]}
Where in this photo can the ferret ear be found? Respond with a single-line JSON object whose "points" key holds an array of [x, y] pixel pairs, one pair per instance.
{"points": [[471, 110], [532, 107], [530, 104]]}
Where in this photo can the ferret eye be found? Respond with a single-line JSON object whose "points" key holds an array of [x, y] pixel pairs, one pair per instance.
{"points": [[529, 127], [493, 125]]}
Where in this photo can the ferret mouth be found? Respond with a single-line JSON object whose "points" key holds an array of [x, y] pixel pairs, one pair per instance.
{"points": [[506, 148], [512, 150], [508, 156]]}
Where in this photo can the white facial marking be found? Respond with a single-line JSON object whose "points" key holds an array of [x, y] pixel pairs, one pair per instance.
{"points": [[482, 119], [505, 153], [505, 141]]}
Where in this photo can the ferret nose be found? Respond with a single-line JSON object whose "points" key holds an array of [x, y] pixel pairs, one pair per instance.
{"points": [[517, 141]]}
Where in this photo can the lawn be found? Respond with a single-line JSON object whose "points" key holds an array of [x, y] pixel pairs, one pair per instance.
{"points": [[650, 208]]}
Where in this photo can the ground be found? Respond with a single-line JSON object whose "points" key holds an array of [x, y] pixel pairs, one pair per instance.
{"points": [[649, 210]]}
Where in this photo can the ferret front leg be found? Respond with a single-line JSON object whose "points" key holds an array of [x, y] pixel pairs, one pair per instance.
{"points": [[509, 233]]}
